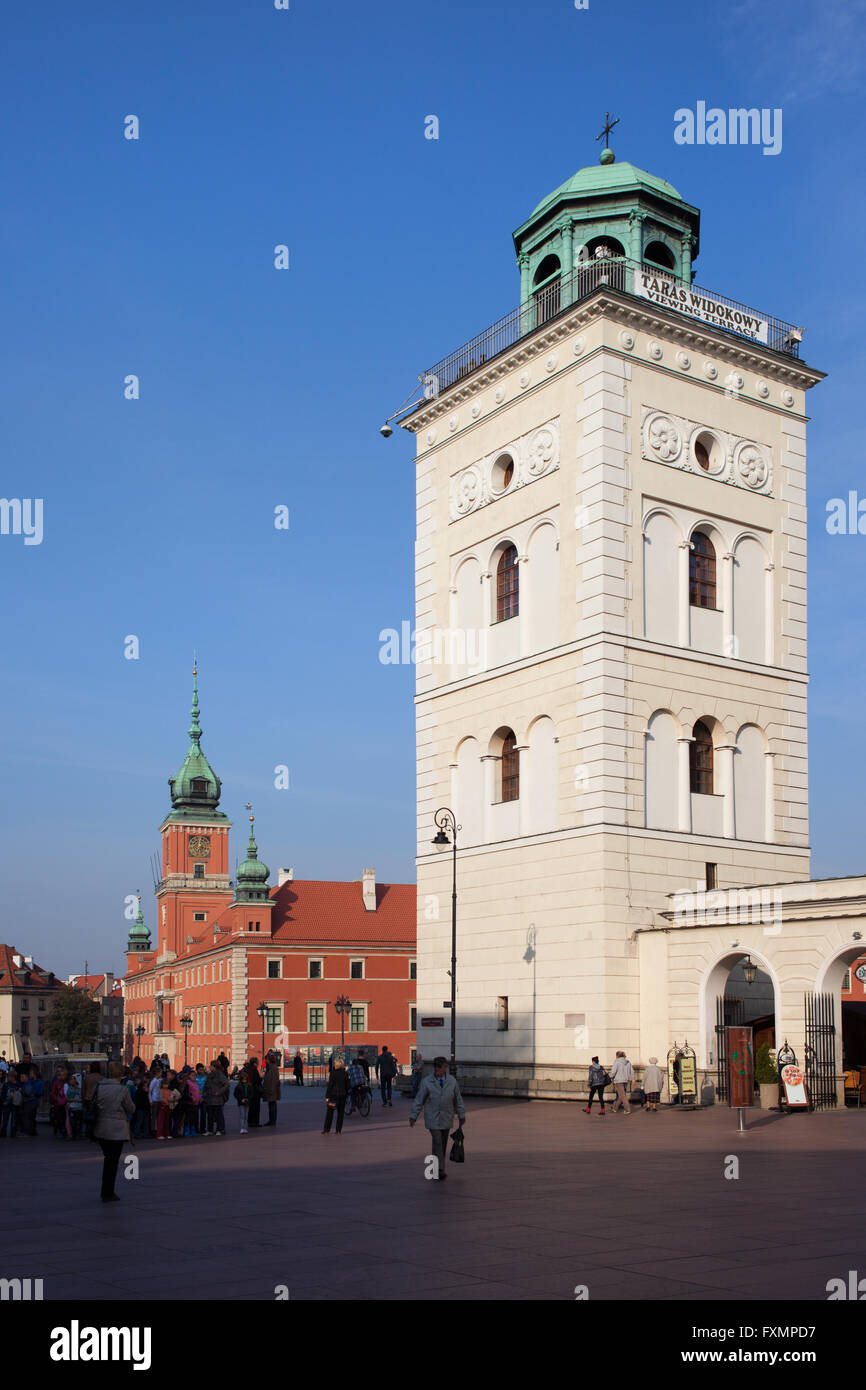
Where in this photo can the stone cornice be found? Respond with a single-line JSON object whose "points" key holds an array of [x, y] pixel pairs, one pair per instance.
{"points": [[636, 313]]}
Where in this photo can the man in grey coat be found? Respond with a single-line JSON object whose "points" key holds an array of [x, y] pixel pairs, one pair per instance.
{"points": [[440, 1097]]}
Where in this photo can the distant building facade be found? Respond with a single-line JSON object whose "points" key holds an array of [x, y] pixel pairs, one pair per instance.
{"points": [[224, 950], [108, 993], [26, 992]]}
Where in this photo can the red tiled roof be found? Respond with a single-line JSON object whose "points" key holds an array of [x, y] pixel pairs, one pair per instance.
{"points": [[87, 981], [8, 977], [312, 910]]}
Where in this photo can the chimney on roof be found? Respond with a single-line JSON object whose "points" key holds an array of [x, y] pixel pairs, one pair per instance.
{"points": [[369, 885], [109, 981], [284, 876], [17, 960], [28, 961]]}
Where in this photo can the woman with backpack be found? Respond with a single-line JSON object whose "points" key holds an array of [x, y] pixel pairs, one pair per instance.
{"points": [[243, 1092], [598, 1079]]}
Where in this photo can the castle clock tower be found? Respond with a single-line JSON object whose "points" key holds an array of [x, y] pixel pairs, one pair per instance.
{"points": [[195, 848]]}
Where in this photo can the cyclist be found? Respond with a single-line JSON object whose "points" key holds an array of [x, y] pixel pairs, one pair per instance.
{"points": [[357, 1079]]}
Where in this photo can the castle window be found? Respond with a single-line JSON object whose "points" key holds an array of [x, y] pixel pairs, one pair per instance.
{"points": [[702, 572], [507, 585], [701, 760], [199, 784], [510, 768], [315, 969], [198, 871]]}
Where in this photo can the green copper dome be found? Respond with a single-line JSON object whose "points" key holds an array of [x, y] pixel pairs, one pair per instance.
{"points": [[196, 786], [252, 876], [139, 934], [608, 178]]}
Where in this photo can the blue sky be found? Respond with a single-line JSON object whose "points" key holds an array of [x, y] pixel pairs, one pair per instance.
{"points": [[261, 387]]}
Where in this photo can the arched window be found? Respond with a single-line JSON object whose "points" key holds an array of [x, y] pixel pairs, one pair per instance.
{"points": [[702, 572], [659, 254], [547, 289], [701, 760], [510, 768], [507, 585]]}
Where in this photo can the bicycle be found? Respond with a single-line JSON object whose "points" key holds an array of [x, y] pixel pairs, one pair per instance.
{"points": [[360, 1102]]}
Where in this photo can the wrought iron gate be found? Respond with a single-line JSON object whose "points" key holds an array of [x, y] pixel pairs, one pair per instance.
{"points": [[729, 1013], [820, 1050]]}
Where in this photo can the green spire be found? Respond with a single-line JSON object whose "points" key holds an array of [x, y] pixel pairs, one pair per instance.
{"points": [[139, 934], [252, 876], [196, 786]]}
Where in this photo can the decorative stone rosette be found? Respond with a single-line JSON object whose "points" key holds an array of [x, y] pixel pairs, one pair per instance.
{"points": [[669, 439], [535, 454]]}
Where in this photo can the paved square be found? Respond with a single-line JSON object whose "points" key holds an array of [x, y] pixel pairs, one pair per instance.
{"points": [[548, 1199]]}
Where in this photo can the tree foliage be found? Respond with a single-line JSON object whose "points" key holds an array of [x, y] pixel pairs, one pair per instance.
{"points": [[73, 1018]]}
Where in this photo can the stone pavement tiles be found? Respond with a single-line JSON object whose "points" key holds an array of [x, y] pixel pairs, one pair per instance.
{"points": [[549, 1200]]}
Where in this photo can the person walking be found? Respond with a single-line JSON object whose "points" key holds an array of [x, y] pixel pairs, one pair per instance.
{"points": [[255, 1080], [271, 1089], [439, 1097], [224, 1062], [653, 1081], [57, 1103], [216, 1093], [336, 1094], [242, 1096], [598, 1079], [111, 1130], [622, 1076], [386, 1068], [298, 1069]]}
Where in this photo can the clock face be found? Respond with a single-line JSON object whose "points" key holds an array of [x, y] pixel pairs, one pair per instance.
{"points": [[860, 972], [199, 846]]}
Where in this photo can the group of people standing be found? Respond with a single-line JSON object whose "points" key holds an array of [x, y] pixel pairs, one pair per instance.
{"points": [[21, 1093]]}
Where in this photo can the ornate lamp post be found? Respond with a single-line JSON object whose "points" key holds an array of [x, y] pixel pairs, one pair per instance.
{"points": [[343, 1005], [139, 1033], [186, 1024], [261, 1011], [445, 821]]}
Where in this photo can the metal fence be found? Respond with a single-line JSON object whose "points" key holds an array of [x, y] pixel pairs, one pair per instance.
{"points": [[820, 1051], [611, 273]]}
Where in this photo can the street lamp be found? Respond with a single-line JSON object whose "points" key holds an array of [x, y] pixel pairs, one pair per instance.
{"points": [[750, 970], [261, 1011], [343, 1005], [186, 1024], [139, 1033], [444, 821]]}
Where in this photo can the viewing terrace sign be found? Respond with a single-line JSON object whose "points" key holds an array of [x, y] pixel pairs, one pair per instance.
{"points": [[672, 294]]}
